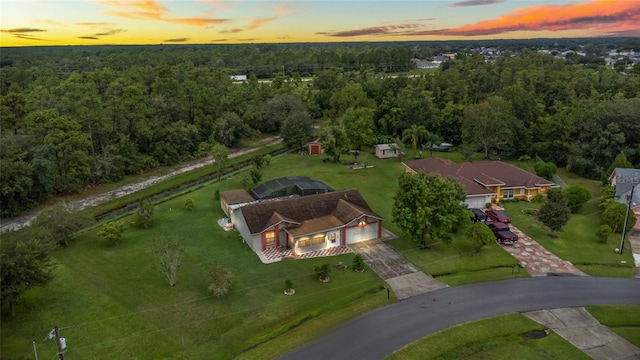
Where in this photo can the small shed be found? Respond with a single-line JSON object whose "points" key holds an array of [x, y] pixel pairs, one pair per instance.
{"points": [[386, 151], [315, 147]]}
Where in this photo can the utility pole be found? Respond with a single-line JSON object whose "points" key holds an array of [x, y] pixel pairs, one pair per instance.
{"points": [[59, 343], [626, 218]]}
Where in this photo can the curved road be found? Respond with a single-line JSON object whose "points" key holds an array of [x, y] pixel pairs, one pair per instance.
{"points": [[377, 334]]}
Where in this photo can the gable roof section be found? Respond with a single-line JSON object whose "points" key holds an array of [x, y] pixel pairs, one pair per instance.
{"points": [[343, 206], [476, 176], [625, 179]]}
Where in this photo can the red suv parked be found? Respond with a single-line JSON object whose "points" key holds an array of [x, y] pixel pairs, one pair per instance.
{"points": [[498, 216]]}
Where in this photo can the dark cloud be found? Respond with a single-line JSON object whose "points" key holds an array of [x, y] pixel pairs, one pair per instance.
{"points": [[22, 30], [110, 32], [249, 39], [475, 3], [374, 30], [29, 37], [219, 40], [176, 40], [88, 37]]}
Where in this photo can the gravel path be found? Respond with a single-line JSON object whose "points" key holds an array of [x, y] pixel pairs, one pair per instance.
{"points": [[93, 200]]}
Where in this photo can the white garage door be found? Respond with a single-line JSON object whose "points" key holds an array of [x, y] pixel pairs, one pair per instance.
{"points": [[362, 233], [476, 202]]}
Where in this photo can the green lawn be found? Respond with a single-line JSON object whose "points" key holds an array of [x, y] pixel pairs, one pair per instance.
{"points": [[624, 320], [500, 337], [113, 300], [577, 241]]}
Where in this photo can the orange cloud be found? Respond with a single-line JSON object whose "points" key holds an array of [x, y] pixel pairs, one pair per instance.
{"points": [[256, 23], [374, 30], [152, 10], [605, 17]]}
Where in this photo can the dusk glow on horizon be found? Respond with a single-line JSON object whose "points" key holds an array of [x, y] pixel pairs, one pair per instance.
{"points": [[100, 22]]}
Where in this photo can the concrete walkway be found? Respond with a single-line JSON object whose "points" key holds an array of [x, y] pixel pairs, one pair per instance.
{"points": [[536, 259], [634, 240], [404, 279], [583, 331]]}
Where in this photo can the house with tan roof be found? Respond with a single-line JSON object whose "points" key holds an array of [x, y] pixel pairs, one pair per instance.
{"points": [[485, 181], [302, 223]]}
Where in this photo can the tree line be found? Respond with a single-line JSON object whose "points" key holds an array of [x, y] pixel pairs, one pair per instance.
{"points": [[84, 116]]}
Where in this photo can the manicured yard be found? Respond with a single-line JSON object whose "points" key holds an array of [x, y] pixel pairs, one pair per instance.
{"points": [[503, 337], [113, 300], [577, 241]]}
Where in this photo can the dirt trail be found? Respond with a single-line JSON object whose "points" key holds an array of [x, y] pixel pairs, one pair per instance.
{"points": [[93, 200]]}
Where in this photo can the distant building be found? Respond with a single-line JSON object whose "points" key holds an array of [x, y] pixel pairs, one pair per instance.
{"points": [[238, 77]]}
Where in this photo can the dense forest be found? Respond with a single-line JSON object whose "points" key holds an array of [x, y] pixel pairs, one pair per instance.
{"points": [[75, 116]]}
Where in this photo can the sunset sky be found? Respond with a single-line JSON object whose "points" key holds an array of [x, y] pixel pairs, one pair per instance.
{"points": [[97, 22]]}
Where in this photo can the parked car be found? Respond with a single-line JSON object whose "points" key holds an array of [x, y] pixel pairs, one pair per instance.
{"points": [[477, 215], [506, 237], [503, 232], [498, 216], [497, 226]]}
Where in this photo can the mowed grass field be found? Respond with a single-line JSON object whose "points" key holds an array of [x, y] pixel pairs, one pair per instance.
{"points": [[112, 301]]}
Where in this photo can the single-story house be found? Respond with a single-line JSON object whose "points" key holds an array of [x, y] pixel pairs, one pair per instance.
{"points": [[315, 147], [386, 151], [624, 181], [485, 181], [302, 223]]}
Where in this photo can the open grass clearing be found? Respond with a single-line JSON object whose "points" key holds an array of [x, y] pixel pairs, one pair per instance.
{"points": [[500, 337]]}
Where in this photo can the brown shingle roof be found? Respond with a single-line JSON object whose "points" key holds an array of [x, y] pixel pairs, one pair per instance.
{"points": [[474, 176], [236, 196], [343, 205]]}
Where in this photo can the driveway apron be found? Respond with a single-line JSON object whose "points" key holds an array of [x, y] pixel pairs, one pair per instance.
{"points": [[583, 331], [634, 240], [404, 279]]}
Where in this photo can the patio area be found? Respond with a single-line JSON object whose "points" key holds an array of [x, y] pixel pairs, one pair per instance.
{"points": [[274, 254]]}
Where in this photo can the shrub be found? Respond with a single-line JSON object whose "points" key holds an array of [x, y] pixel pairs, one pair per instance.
{"points": [[112, 231], [288, 284], [614, 216], [577, 195], [216, 194], [524, 158], [545, 169], [322, 271], [220, 280], [358, 262], [603, 233], [145, 213], [189, 204], [539, 199]]}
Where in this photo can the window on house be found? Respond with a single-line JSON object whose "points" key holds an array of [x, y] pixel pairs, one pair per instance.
{"points": [[270, 237], [304, 242], [317, 239], [333, 237], [507, 194]]}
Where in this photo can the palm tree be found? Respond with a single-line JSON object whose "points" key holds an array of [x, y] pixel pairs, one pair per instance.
{"points": [[414, 134], [432, 140]]}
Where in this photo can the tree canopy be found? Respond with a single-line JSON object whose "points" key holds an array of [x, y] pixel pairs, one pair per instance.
{"points": [[426, 207]]}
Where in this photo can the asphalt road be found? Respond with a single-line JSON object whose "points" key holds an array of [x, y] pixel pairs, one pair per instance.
{"points": [[377, 334]]}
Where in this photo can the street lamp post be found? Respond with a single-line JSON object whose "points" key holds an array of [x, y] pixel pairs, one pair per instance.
{"points": [[626, 218]]}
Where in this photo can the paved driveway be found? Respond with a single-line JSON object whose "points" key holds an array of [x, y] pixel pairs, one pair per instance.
{"points": [[404, 279]]}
